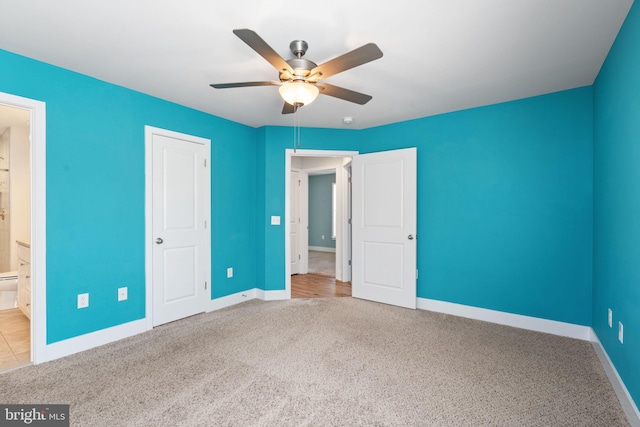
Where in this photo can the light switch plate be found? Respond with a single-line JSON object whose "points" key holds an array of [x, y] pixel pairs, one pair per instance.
{"points": [[83, 300], [123, 294], [229, 272], [275, 220]]}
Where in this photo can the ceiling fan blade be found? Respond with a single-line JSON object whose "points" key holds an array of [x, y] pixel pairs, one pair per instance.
{"points": [[359, 56], [243, 84], [288, 108], [342, 93], [256, 43]]}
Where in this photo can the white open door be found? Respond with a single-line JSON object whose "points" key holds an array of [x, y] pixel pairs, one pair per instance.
{"points": [[180, 211], [384, 227]]}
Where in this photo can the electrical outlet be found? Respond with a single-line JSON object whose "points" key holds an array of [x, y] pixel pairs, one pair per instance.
{"points": [[83, 300], [620, 333], [123, 294], [229, 273], [323, 237], [610, 318]]}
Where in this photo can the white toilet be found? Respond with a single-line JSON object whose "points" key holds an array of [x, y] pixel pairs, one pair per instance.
{"points": [[8, 290]]}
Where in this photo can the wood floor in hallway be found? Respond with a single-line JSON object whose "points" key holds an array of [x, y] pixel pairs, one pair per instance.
{"points": [[318, 286]]}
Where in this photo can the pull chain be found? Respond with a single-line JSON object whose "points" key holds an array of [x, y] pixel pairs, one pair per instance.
{"points": [[296, 126]]}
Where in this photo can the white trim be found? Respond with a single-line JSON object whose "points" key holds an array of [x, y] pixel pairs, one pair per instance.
{"points": [[344, 193], [322, 249], [148, 222], [303, 216], [105, 336], [244, 296], [233, 299], [95, 339], [303, 238], [287, 168], [626, 401], [38, 136], [272, 295], [149, 131], [515, 320]]}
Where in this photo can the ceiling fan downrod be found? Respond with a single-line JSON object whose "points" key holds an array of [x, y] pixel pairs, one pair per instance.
{"points": [[298, 48]]}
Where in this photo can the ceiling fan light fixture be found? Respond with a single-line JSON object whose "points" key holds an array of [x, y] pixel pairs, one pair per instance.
{"points": [[298, 92]]}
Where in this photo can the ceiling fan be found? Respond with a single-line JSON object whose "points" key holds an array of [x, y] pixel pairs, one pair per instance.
{"points": [[299, 79]]}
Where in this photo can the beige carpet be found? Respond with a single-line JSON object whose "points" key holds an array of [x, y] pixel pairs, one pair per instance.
{"points": [[326, 362], [323, 263]]}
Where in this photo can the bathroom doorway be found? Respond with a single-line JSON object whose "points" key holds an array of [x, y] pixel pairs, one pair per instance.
{"points": [[15, 237]]}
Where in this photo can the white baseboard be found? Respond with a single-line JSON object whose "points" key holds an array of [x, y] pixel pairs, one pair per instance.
{"points": [[271, 295], [233, 299], [94, 339], [508, 319], [322, 249], [626, 401], [249, 294], [104, 336]]}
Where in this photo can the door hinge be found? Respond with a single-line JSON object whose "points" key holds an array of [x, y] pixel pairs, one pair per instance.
{"points": [[205, 163], [349, 221], [416, 273], [349, 262], [299, 257], [205, 285], [205, 223]]}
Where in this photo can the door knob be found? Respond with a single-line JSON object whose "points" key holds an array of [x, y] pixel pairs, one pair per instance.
{"points": [[410, 237], [159, 240]]}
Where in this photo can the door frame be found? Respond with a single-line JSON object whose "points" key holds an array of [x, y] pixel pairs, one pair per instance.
{"points": [[149, 132], [303, 213], [289, 153], [37, 134]]}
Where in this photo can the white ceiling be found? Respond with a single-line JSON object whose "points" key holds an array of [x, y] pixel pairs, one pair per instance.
{"points": [[439, 55]]}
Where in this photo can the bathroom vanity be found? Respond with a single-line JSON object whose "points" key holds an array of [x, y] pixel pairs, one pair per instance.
{"points": [[24, 278]]}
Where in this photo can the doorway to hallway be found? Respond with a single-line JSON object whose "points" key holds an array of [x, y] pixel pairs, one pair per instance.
{"points": [[324, 250]]}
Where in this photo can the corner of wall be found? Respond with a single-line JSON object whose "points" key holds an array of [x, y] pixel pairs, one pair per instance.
{"points": [[626, 401]]}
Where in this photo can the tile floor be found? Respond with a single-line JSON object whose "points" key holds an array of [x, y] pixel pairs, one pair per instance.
{"points": [[15, 339]]}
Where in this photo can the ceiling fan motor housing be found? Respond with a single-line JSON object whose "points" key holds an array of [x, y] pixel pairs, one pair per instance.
{"points": [[301, 68]]}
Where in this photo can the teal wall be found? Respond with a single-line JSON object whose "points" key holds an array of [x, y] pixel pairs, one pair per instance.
{"points": [[95, 193], [505, 204], [616, 272], [321, 210]]}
